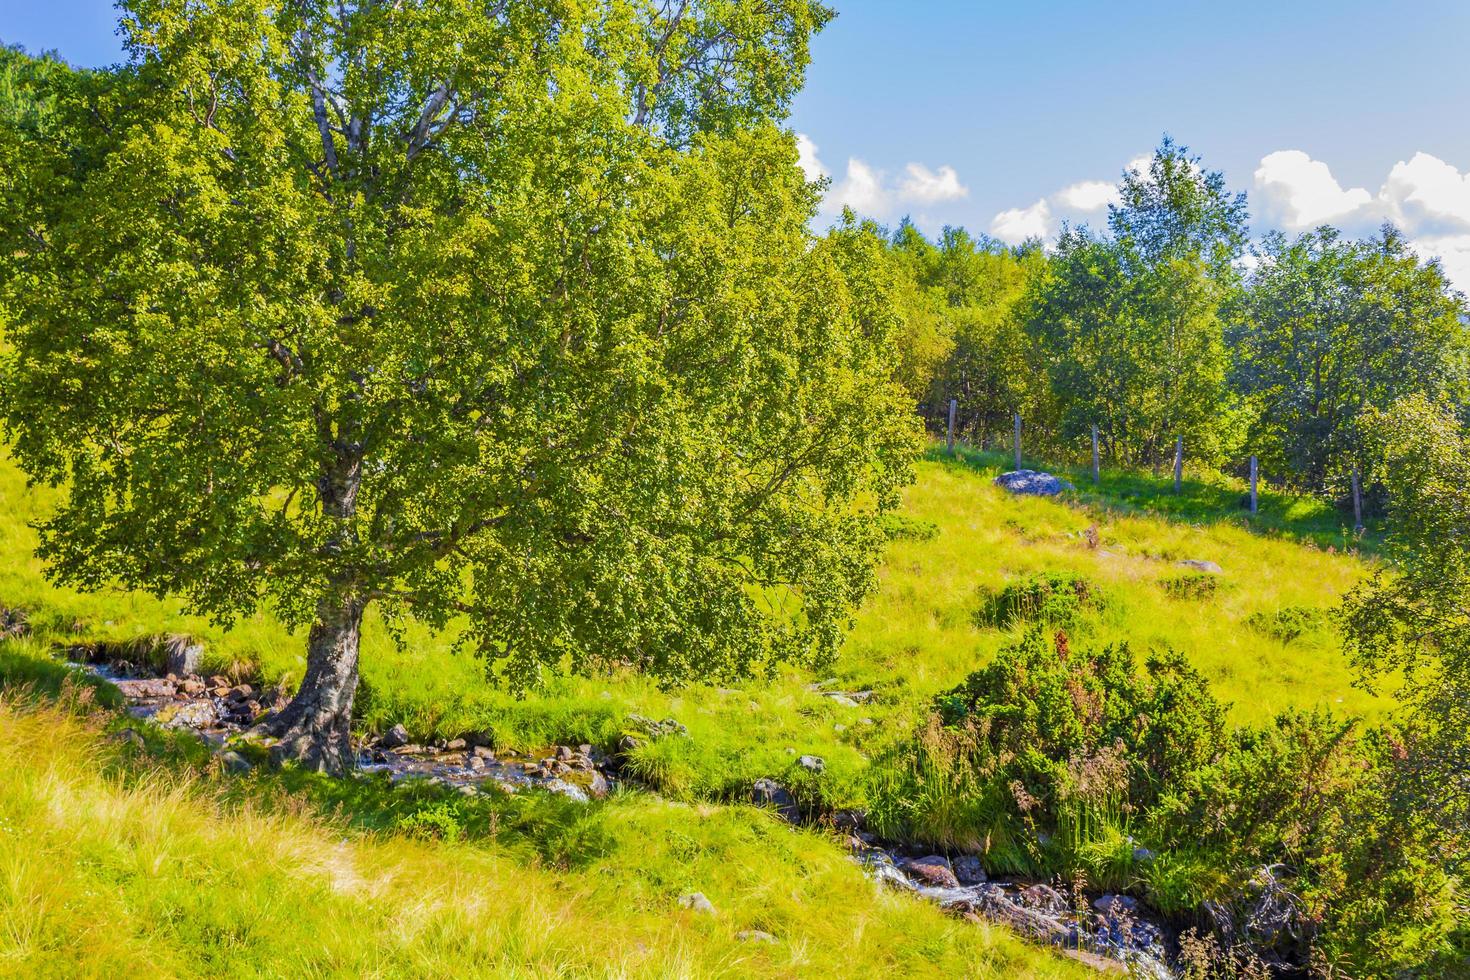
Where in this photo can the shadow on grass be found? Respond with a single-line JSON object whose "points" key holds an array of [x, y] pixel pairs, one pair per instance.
{"points": [[532, 825], [26, 665], [1198, 502]]}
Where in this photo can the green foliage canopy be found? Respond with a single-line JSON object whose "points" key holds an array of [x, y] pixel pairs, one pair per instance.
{"points": [[501, 312]]}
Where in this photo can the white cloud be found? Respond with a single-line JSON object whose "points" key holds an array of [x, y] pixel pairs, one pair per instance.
{"points": [[1088, 195], [1453, 252], [1084, 199], [1300, 192], [1426, 191], [1018, 224], [872, 194], [925, 186], [806, 157], [862, 190]]}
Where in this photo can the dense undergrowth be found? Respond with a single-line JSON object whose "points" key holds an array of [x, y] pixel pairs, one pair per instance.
{"points": [[1080, 762]]}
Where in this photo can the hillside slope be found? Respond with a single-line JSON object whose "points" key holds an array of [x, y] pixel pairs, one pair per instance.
{"points": [[511, 890]]}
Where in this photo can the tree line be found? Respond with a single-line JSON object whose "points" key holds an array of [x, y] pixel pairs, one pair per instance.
{"points": [[1171, 321]]}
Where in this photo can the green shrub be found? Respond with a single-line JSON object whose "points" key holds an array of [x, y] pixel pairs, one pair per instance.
{"points": [[1193, 585], [1051, 761], [1055, 599], [1290, 622], [902, 527]]}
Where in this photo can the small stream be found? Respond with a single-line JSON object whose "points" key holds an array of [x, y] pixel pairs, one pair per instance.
{"points": [[1108, 932]]}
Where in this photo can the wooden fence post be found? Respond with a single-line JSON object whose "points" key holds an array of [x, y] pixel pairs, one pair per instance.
{"points": [[1357, 501], [1253, 486], [1018, 440], [1178, 464], [1096, 470], [953, 406]]}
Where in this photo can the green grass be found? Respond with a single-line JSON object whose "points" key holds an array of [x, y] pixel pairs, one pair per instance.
{"points": [[918, 635], [530, 889], [114, 863]]}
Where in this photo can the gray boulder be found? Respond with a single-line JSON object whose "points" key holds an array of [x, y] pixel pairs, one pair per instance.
{"points": [[1032, 483], [394, 738], [696, 902], [181, 656], [1208, 567]]}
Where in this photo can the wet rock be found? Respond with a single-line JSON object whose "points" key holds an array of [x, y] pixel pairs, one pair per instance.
{"points": [[193, 687], [233, 763], [754, 936], [968, 870], [1032, 483], [143, 688], [933, 870], [880, 866], [695, 901], [394, 738], [769, 793], [1043, 897], [241, 692], [181, 655], [474, 762], [597, 784], [484, 752], [849, 820], [1115, 904], [220, 680], [455, 745], [197, 714], [812, 763], [570, 791], [1208, 567]]}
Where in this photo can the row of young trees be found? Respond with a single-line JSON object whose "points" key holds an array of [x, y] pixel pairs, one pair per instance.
{"points": [[1171, 322]]}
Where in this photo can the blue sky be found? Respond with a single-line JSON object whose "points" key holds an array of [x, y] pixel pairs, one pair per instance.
{"points": [[1011, 117]]}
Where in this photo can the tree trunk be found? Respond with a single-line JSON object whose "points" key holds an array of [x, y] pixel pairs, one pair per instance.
{"points": [[315, 728]]}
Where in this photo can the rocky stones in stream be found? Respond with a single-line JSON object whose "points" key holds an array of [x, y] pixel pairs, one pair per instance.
{"points": [[769, 793], [199, 713], [394, 738], [218, 710], [933, 870], [968, 870], [1113, 927]]}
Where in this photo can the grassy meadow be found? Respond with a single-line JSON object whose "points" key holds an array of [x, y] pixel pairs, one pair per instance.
{"points": [[439, 886]]}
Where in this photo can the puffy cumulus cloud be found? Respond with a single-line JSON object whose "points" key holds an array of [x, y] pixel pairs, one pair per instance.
{"points": [[1084, 199], [1018, 224], [807, 159], [1427, 198], [1453, 252], [873, 194], [925, 186], [862, 190], [1088, 195], [1428, 193], [1300, 192]]}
